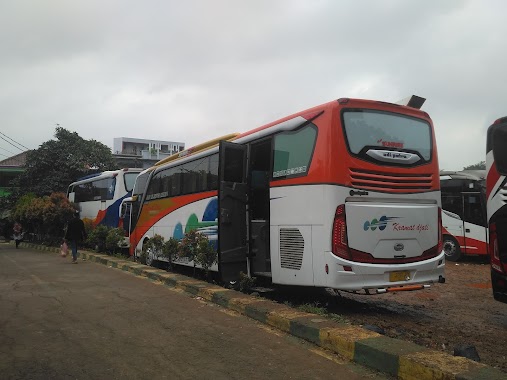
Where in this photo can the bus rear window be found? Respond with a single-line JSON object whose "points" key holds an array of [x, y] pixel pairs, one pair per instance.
{"points": [[381, 131], [498, 139]]}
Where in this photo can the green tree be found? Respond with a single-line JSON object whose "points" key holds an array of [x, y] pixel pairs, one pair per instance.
{"points": [[44, 216], [57, 163], [478, 166]]}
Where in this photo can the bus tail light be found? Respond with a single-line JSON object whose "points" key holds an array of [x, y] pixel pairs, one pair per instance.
{"points": [[440, 245], [339, 242], [494, 252]]}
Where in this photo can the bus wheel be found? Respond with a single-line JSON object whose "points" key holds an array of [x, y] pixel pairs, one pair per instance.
{"points": [[451, 249], [150, 261]]}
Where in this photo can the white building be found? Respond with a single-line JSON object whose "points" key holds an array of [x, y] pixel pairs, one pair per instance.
{"points": [[144, 152]]}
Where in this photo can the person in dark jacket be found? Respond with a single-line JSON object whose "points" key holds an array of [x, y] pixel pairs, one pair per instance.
{"points": [[18, 233], [75, 234]]}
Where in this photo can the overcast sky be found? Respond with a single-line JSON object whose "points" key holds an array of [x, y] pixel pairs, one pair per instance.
{"points": [[192, 70]]}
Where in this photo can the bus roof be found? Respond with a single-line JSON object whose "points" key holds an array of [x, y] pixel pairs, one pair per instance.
{"points": [[308, 115], [475, 175], [105, 174]]}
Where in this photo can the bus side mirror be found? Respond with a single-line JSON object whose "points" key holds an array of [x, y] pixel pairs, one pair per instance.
{"points": [[124, 207], [72, 197]]}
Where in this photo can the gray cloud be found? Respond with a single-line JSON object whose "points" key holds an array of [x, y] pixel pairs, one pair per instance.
{"points": [[190, 71]]}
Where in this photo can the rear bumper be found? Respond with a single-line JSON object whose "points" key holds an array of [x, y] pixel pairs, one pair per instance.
{"points": [[376, 276], [499, 284]]}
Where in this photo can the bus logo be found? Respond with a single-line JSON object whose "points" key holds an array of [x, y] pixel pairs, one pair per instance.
{"points": [[399, 247], [381, 224]]}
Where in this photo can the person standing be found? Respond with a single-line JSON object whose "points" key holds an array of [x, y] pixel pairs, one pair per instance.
{"points": [[18, 233], [75, 233]]}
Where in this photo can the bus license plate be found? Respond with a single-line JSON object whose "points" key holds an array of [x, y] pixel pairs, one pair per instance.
{"points": [[399, 276]]}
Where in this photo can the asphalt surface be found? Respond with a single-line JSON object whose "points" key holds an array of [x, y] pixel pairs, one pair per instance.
{"points": [[87, 321]]}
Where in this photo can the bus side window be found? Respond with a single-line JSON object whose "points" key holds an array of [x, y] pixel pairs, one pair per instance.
{"points": [[452, 203], [293, 152], [473, 210]]}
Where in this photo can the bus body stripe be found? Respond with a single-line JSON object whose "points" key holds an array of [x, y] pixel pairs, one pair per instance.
{"points": [[155, 210], [492, 179]]}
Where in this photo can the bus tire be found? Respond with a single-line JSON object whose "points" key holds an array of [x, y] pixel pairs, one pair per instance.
{"points": [[150, 259], [451, 248]]}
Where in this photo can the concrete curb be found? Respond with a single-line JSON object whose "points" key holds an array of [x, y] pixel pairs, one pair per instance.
{"points": [[401, 359]]}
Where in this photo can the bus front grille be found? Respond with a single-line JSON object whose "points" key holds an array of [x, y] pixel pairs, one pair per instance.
{"points": [[292, 247], [389, 181]]}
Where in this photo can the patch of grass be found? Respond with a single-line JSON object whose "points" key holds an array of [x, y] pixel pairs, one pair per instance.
{"points": [[338, 318], [245, 282], [313, 308], [317, 308]]}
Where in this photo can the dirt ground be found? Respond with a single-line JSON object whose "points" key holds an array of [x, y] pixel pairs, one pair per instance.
{"points": [[461, 311]]}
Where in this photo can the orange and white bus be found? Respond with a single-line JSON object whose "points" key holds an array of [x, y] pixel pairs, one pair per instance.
{"points": [[464, 213], [496, 195], [345, 195]]}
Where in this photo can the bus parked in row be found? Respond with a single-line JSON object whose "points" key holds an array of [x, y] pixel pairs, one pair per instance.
{"points": [[464, 213], [98, 196], [496, 194], [345, 195]]}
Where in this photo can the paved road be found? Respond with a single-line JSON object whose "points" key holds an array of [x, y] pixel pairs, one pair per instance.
{"points": [[88, 321]]}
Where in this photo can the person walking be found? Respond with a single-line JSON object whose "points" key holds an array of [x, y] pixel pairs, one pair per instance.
{"points": [[75, 233], [18, 233]]}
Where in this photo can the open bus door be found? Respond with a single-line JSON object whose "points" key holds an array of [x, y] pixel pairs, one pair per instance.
{"points": [[476, 239], [232, 217]]}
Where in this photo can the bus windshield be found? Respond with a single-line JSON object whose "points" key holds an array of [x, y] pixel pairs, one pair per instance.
{"points": [[367, 129], [140, 183], [130, 179]]}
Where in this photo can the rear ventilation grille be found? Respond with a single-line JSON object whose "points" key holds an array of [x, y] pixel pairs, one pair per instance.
{"points": [[390, 182], [292, 246]]}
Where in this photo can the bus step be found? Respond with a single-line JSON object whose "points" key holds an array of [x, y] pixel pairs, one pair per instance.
{"points": [[263, 274]]}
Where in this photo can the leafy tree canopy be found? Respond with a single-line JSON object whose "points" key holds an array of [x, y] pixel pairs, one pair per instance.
{"points": [[57, 163], [478, 166]]}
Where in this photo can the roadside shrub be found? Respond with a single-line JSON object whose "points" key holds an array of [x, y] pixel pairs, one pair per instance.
{"points": [[19, 211], [56, 213], [189, 245], [97, 238], [88, 223], [170, 249], [196, 246], [113, 239], [142, 256], [155, 244], [206, 255], [45, 217]]}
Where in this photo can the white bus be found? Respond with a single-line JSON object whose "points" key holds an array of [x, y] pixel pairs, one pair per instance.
{"points": [[345, 195], [464, 228], [99, 196]]}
